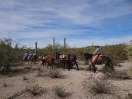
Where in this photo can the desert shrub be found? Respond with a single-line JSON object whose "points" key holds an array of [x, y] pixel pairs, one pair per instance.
{"points": [[119, 75], [9, 56], [42, 72], [35, 89], [5, 84], [57, 63], [129, 96], [25, 77], [106, 69], [97, 85], [86, 63], [55, 73], [59, 90], [128, 49]]}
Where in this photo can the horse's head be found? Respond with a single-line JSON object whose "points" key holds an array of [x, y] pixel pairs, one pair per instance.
{"points": [[57, 55], [40, 57], [87, 56]]}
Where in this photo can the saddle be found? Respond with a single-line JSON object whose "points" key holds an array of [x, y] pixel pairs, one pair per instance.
{"points": [[64, 56], [97, 59], [100, 57]]}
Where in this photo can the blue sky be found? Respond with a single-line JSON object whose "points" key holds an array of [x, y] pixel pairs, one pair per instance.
{"points": [[81, 22]]}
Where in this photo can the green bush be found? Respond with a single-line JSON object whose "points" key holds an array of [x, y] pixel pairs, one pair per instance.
{"points": [[8, 55], [129, 96], [106, 69], [128, 49], [121, 75], [59, 90]]}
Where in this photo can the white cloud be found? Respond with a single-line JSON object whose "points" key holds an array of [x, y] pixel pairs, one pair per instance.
{"points": [[44, 19], [76, 42]]}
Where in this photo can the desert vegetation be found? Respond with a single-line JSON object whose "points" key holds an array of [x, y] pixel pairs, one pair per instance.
{"points": [[19, 79]]}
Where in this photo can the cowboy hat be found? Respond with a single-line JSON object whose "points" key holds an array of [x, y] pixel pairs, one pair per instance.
{"points": [[96, 46]]}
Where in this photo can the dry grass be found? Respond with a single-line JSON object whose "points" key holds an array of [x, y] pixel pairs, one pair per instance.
{"points": [[38, 84]]}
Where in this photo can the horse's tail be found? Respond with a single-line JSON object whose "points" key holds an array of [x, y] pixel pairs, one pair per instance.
{"points": [[75, 57], [24, 58], [108, 59], [110, 62]]}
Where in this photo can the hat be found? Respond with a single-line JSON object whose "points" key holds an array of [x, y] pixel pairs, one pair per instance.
{"points": [[96, 46]]}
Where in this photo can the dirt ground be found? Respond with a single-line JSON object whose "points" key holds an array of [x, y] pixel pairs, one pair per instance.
{"points": [[35, 75]]}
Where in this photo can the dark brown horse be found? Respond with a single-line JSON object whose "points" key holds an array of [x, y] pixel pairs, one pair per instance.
{"points": [[47, 60], [67, 59], [100, 60]]}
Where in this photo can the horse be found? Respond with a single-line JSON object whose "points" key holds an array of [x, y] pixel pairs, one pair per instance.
{"points": [[34, 58], [41, 58], [30, 58], [73, 59], [47, 60], [100, 60], [67, 58], [63, 58]]}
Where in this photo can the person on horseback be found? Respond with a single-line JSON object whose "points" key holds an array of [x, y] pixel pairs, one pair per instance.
{"points": [[96, 54], [25, 56]]}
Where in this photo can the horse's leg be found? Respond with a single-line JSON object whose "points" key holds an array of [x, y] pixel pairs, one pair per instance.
{"points": [[64, 63], [43, 63], [61, 64], [110, 65], [51, 66], [69, 65], [34, 59], [47, 64], [76, 65], [52, 63], [94, 68]]}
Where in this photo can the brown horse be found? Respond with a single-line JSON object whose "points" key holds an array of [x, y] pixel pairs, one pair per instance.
{"points": [[34, 58], [100, 60], [47, 60]]}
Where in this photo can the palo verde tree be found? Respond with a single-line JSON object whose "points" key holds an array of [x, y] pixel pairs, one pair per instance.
{"points": [[9, 55], [128, 49], [5, 54]]}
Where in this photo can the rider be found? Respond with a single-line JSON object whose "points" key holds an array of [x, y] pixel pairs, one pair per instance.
{"points": [[96, 54], [26, 54]]}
